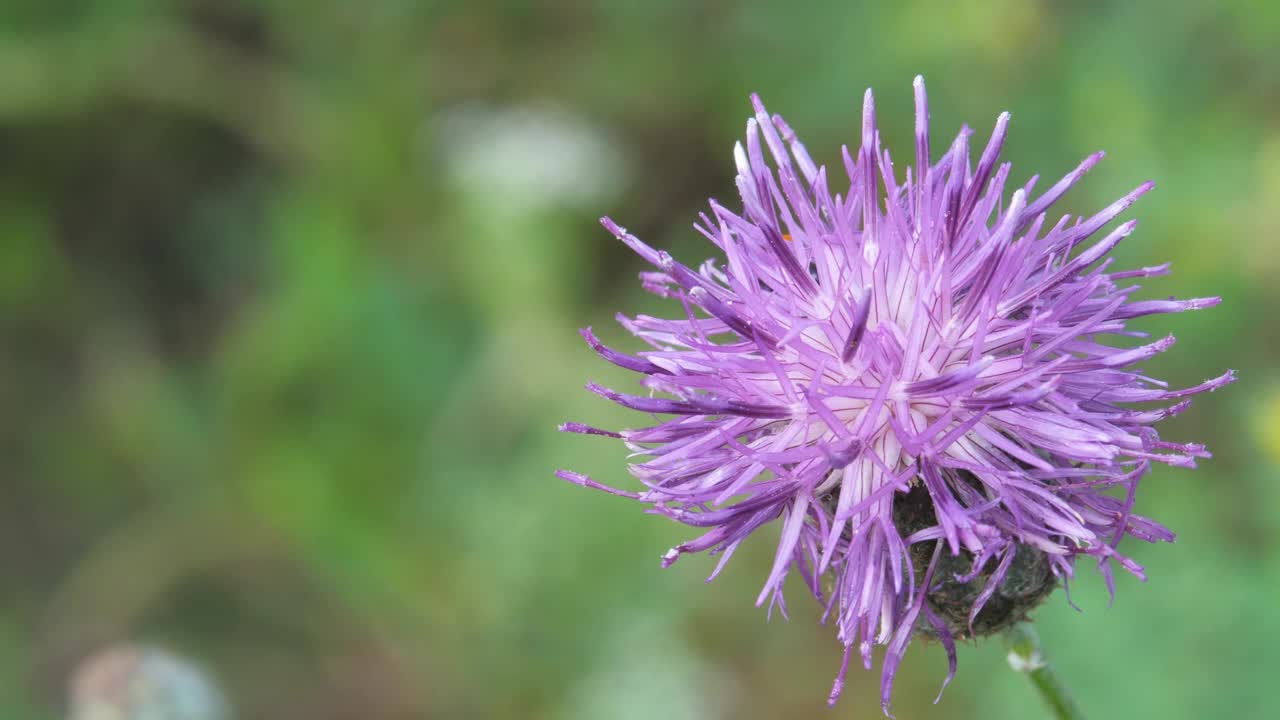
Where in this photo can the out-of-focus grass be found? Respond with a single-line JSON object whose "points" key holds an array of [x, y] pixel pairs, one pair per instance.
{"points": [[285, 341]]}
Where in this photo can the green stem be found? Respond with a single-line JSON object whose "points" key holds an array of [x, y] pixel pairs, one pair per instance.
{"points": [[1025, 657]]}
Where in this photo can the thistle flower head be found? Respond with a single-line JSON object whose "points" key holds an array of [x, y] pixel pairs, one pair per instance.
{"points": [[925, 378]]}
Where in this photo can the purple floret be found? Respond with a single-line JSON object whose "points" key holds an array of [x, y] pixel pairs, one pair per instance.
{"points": [[934, 336]]}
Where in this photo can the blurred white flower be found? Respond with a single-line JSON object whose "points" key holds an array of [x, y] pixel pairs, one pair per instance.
{"points": [[527, 156], [137, 683]]}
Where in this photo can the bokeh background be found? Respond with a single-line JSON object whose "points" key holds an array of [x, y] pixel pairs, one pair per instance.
{"points": [[288, 300]]}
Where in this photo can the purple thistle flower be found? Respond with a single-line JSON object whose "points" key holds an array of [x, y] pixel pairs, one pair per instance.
{"points": [[912, 377]]}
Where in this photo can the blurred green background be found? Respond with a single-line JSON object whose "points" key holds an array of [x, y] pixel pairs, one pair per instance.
{"points": [[288, 300]]}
